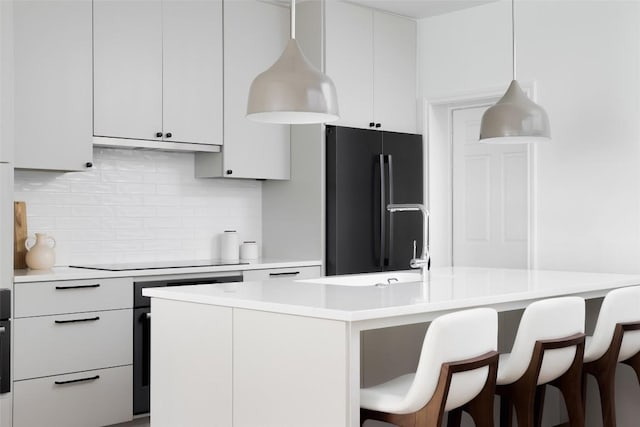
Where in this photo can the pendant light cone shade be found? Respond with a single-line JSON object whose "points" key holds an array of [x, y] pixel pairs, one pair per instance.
{"points": [[514, 119], [292, 91]]}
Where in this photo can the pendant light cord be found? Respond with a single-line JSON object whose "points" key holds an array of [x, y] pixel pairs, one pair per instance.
{"points": [[293, 19], [513, 37]]}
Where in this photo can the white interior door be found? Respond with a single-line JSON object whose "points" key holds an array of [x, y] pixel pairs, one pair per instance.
{"points": [[490, 197]]}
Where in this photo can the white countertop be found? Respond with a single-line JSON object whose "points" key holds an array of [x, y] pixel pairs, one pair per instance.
{"points": [[70, 273], [448, 288]]}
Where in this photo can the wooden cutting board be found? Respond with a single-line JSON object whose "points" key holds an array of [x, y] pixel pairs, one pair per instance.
{"points": [[19, 235]]}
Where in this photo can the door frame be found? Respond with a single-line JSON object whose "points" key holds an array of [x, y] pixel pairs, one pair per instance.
{"points": [[437, 127]]}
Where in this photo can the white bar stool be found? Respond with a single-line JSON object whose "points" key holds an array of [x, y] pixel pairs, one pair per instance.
{"points": [[548, 349], [616, 338], [456, 371]]}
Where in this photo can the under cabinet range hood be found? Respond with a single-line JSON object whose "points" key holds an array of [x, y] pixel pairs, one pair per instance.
{"points": [[157, 265]]}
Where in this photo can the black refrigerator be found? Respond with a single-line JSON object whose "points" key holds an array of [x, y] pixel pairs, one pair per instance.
{"points": [[366, 170]]}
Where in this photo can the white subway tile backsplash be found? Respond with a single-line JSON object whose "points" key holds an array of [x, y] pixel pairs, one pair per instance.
{"points": [[121, 223], [137, 205], [134, 188], [121, 176], [92, 187]]}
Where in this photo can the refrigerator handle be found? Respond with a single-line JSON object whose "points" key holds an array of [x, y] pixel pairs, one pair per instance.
{"points": [[383, 212], [389, 247]]}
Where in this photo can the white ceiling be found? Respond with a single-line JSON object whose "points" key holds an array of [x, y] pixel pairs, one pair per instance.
{"points": [[420, 8]]}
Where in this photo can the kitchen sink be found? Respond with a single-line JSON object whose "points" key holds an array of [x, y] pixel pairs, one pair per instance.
{"points": [[386, 278]]}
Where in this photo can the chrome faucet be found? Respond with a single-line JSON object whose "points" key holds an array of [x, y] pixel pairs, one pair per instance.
{"points": [[423, 262]]}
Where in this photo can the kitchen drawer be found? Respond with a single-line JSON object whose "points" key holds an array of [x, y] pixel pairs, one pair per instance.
{"points": [[281, 273], [88, 399], [72, 296], [53, 345]]}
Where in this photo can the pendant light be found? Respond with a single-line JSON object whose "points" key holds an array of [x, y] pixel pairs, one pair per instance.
{"points": [[292, 91], [514, 119]]}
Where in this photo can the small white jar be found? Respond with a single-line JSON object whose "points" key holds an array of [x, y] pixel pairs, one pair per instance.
{"points": [[229, 246], [249, 251]]}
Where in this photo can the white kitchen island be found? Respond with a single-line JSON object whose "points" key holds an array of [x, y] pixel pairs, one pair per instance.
{"points": [[287, 353]]}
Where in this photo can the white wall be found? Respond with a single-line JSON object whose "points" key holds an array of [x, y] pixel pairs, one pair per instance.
{"points": [[137, 205], [584, 57]]}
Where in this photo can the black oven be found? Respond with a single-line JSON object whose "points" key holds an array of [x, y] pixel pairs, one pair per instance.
{"points": [[5, 341], [142, 334]]}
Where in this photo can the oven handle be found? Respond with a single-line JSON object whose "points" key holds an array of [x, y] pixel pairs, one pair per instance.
{"points": [[146, 348], [5, 359]]}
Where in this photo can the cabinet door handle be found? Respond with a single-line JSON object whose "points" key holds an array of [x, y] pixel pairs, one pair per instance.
{"points": [[168, 135], [61, 288], [378, 125], [79, 380], [284, 273], [371, 124], [88, 319]]}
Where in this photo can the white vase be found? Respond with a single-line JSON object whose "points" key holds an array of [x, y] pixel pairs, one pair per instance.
{"points": [[40, 253]]}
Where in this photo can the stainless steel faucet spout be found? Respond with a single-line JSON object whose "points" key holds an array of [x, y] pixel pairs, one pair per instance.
{"points": [[423, 261]]}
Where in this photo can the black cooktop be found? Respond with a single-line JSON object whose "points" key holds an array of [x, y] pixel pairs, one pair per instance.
{"points": [[158, 265]]}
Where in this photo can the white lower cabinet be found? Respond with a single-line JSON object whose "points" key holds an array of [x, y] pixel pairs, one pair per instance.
{"points": [[282, 273], [72, 342], [83, 399], [73, 353]]}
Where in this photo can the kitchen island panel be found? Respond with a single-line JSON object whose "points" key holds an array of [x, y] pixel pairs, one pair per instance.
{"points": [[304, 383], [191, 364]]}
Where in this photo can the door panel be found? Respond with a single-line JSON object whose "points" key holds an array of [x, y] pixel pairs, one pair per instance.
{"points": [[251, 149], [192, 79], [490, 198], [353, 201], [349, 61], [406, 164], [53, 85], [127, 84], [394, 65]]}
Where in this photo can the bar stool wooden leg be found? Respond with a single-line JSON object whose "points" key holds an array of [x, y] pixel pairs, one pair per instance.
{"points": [[455, 418], [506, 411], [634, 362], [539, 404], [604, 372], [570, 385], [524, 404]]}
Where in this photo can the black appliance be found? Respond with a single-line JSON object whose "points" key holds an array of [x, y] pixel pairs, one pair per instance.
{"points": [[142, 334], [5, 340], [367, 170]]}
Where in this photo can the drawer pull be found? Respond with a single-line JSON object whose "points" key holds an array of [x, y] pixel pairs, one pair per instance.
{"points": [[284, 273], [79, 380], [88, 319], [97, 285]]}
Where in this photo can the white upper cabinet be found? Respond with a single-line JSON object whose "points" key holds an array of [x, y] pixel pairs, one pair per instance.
{"points": [[349, 61], [158, 70], [255, 34], [52, 84], [192, 71], [371, 57], [127, 69], [394, 72]]}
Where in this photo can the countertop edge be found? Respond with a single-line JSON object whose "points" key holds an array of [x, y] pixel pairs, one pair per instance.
{"points": [[69, 273], [502, 302]]}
